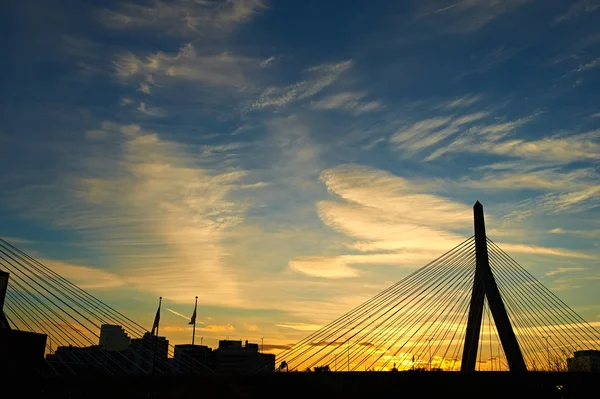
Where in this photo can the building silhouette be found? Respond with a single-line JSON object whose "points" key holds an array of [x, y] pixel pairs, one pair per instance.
{"points": [[233, 357], [113, 338], [588, 360], [21, 352], [149, 354], [195, 359]]}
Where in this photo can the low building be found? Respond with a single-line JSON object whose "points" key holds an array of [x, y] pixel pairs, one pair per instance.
{"points": [[584, 361], [233, 357], [149, 354], [21, 353], [192, 359], [91, 360], [113, 338]]}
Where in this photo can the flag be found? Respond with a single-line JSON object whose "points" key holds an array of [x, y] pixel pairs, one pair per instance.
{"points": [[156, 318], [193, 319]]}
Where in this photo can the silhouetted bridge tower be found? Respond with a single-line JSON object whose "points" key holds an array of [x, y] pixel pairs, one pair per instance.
{"points": [[472, 300]]}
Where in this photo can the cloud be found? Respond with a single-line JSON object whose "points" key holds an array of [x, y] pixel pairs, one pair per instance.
{"points": [[557, 149], [15, 240], [319, 77], [319, 266], [84, 276], [530, 249], [300, 326], [578, 233], [574, 201], [218, 328], [589, 65], [174, 329], [276, 346], [250, 327], [462, 17], [144, 88], [347, 101], [432, 131], [516, 176], [158, 217], [182, 17], [151, 111], [391, 221], [562, 270], [577, 9], [216, 70], [463, 102]]}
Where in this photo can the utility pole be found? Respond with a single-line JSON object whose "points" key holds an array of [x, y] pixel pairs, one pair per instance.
{"points": [[262, 344], [547, 352], [429, 354], [348, 355]]}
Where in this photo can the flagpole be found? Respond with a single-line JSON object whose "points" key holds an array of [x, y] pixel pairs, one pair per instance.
{"points": [[194, 334], [156, 336]]}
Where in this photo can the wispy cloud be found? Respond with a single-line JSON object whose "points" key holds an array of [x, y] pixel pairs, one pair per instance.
{"points": [[595, 63], [558, 149], [563, 270], [159, 217], [86, 277], [431, 132], [182, 17], [529, 249], [347, 101], [463, 102], [212, 328], [151, 111], [465, 16], [16, 240], [300, 326], [220, 70], [319, 77], [144, 88], [391, 222], [578, 9], [577, 233]]}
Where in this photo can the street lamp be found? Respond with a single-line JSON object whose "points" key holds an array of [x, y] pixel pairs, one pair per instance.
{"points": [[262, 344]]}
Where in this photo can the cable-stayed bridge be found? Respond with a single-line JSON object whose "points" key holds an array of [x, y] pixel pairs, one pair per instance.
{"points": [[473, 308], [36, 299]]}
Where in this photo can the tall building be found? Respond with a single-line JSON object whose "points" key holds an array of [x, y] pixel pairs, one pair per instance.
{"points": [[147, 351], [113, 338], [233, 357], [584, 361], [192, 358]]}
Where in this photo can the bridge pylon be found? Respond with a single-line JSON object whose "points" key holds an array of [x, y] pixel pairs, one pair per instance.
{"points": [[484, 286]]}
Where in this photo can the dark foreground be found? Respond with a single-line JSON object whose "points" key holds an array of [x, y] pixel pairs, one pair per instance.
{"points": [[321, 385]]}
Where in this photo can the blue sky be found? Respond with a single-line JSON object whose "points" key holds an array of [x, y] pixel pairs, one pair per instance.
{"points": [[285, 160]]}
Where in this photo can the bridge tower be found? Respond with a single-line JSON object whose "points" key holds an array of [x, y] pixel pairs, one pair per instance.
{"points": [[484, 286]]}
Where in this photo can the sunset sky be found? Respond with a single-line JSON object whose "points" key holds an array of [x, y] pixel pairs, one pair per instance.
{"points": [[286, 160]]}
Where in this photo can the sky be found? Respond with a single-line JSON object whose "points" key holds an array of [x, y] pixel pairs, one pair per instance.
{"points": [[285, 161]]}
